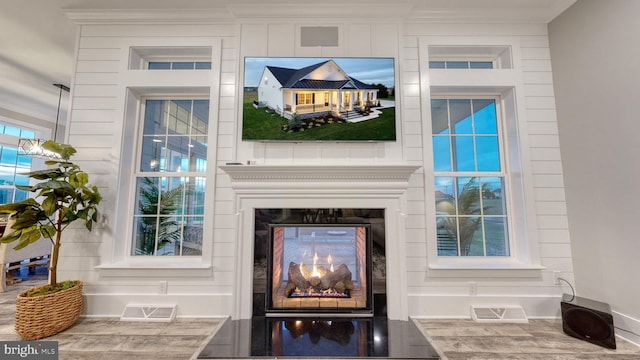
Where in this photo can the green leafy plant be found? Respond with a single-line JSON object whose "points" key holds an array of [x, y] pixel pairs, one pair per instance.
{"points": [[468, 204], [295, 122], [155, 202], [62, 196]]}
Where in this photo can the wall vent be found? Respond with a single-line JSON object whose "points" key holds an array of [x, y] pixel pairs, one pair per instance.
{"points": [[319, 36], [153, 313], [499, 314]]}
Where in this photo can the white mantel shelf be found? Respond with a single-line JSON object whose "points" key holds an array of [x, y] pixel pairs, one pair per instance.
{"points": [[323, 173]]}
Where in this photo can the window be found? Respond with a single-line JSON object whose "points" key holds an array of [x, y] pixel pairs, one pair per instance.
{"points": [[460, 65], [170, 180], [471, 211], [181, 65], [304, 98], [13, 165], [470, 56], [170, 58]]}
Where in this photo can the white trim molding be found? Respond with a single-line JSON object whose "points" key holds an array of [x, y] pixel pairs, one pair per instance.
{"points": [[305, 173], [500, 11], [627, 327]]}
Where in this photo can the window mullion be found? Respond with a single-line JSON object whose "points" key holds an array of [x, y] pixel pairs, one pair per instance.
{"points": [[452, 142]]}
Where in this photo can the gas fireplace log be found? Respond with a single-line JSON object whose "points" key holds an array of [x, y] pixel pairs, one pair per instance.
{"points": [[329, 281], [338, 280], [314, 281], [296, 278], [343, 285], [322, 271], [348, 284], [304, 269], [289, 288]]}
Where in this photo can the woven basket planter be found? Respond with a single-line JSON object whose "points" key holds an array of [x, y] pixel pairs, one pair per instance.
{"points": [[38, 317]]}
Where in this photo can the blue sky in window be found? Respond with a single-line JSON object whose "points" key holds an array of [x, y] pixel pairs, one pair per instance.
{"points": [[482, 126], [367, 70]]}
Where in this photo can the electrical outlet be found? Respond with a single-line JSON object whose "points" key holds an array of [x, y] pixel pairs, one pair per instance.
{"points": [[473, 288], [556, 277], [163, 287]]}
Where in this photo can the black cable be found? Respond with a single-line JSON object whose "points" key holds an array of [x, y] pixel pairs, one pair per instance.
{"points": [[573, 292]]}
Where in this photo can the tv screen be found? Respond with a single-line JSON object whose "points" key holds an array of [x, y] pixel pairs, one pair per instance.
{"points": [[318, 99]]}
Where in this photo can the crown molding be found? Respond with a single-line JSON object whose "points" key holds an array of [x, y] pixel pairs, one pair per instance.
{"points": [[148, 16], [467, 11], [351, 11]]}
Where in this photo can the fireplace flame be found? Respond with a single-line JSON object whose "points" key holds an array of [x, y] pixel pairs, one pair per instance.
{"points": [[315, 272], [315, 267]]}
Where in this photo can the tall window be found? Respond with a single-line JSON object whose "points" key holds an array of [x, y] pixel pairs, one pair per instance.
{"points": [[471, 211], [13, 165], [170, 181]]}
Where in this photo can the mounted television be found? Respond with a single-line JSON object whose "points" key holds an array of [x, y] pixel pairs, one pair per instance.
{"points": [[318, 99]]}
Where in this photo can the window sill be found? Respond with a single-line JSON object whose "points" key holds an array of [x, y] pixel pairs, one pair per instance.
{"points": [[169, 269], [456, 269]]}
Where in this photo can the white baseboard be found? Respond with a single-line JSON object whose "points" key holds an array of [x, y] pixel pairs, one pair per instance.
{"points": [[188, 305], [449, 307], [627, 327]]}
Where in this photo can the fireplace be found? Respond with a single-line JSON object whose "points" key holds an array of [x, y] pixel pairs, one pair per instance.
{"points": [[379, 186], [319, 268]]}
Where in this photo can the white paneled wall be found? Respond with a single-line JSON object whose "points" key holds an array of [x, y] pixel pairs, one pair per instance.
{"points": [[97, 124], [431, 296]]}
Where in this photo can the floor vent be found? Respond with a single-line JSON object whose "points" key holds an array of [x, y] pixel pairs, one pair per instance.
{"points": [[161, 313], [499, 314]]}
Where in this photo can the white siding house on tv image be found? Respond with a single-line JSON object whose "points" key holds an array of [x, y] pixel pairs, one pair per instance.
{"points": [[319, 93], [281, 179], [322, 87]]}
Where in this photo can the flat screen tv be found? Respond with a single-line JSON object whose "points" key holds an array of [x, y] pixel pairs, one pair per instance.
{"points": [[318, 99]]}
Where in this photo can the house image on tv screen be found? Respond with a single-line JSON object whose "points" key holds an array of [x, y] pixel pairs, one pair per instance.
{"points": [[322, 88]]}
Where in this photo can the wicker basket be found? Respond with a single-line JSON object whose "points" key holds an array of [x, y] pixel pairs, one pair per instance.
{"points": [[38, 317]]}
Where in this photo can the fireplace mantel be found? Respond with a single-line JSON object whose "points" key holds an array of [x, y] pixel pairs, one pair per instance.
{"points": [[324, 173], [321, 186]]}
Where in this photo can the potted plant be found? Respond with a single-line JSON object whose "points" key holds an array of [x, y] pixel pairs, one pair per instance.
{"points": [[62, 196]]}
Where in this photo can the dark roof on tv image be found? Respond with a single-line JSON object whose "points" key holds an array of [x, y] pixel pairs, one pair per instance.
{"points": [[293, 79]]}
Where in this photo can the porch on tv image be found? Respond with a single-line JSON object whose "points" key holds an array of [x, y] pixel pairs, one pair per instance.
{"points": [[319, 99]]}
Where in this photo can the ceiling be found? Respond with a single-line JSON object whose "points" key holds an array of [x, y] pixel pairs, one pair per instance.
{"points": [[38, 38]]}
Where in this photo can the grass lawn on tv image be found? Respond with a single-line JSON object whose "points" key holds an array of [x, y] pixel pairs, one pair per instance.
{"points": [[260, 125]]}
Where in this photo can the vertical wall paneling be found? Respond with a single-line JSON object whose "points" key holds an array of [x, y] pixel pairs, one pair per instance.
{"points": [[103, 120], [359, 38], [104, 115]]}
